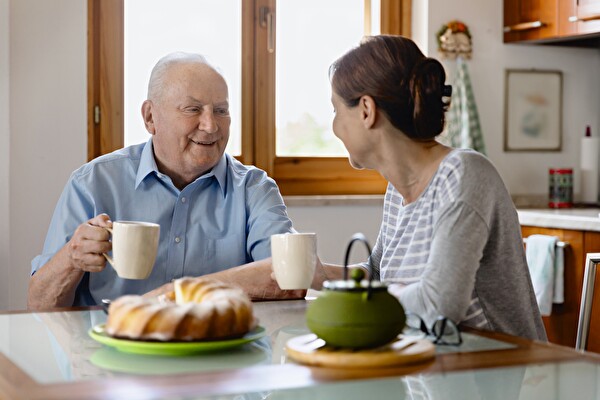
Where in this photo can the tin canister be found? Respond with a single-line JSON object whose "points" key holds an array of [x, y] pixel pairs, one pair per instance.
{"points": [[560, 187]]}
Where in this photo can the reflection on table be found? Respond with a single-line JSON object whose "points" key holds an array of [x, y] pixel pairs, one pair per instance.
{"points": [[53, 356]]}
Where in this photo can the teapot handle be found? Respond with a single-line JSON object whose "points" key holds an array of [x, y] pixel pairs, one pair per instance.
{"points": [[359, 237]]}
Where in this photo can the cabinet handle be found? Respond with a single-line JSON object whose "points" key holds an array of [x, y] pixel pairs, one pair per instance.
{"points": [[575, 18], [524, 26]]}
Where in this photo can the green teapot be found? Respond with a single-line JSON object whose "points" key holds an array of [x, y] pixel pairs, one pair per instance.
{"points": [[356, 313]]}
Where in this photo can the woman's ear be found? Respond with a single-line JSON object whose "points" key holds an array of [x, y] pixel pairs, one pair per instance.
{"points": [[368, 110], [148, 116]]}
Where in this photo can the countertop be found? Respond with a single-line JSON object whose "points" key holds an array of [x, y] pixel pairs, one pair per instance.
{"points": [[583, 219]]}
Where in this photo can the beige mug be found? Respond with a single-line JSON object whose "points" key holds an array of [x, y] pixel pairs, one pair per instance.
{"points": [[134, 247], [294, 257]]}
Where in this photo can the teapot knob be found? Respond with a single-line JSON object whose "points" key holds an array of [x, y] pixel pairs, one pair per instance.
{"points": [[357, 275]]}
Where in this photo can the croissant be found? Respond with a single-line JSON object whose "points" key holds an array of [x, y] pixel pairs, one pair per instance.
{"points": [[196, 309]]}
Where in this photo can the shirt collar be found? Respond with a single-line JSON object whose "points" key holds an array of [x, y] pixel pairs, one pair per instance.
{"points": [[148, 166], [220, 173]]}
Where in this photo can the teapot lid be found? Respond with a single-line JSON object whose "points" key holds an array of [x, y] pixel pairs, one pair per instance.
{"points": [[351, 285], [357, 283]]}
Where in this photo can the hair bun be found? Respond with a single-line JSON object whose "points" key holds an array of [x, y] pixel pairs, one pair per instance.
{"points": [[427, 87]]}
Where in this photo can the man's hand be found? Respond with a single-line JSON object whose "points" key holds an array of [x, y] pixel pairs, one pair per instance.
{"points": [[257, 280], [89, 241], [55, 283], [254, 278], [161, 290]]}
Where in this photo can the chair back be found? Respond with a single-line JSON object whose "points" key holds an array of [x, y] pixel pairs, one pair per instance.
{"points": [[587, 297]]}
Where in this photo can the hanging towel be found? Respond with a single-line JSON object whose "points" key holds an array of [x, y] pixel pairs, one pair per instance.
{"points": [[546, 266], [463, 130]]}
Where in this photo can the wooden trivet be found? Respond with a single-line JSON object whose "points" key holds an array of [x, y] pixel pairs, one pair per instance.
{"points": [[309, 349]]}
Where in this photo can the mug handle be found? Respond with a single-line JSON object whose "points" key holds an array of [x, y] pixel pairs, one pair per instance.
{"points": [[109, 258]]}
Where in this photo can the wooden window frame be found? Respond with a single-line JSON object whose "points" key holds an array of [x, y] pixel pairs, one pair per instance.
{"points": [[294, 175]]}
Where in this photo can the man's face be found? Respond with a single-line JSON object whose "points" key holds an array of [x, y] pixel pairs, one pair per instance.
{"points": [[189, 119]]}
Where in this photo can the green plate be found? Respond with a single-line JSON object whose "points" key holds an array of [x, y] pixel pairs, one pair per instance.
{"points": [[171, 348]]}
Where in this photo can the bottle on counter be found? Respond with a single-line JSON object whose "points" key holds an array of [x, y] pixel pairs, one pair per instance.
{"points": [[590, 174], [560, 187]]}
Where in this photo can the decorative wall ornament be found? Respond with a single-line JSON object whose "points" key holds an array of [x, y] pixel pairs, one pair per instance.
{"points": [[463, 129], [454, 40]]}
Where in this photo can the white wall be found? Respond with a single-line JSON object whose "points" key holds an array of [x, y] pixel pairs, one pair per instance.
{"points": [[43, 97], [4, 162], [47, 113], [523, 173], [335, 225]]}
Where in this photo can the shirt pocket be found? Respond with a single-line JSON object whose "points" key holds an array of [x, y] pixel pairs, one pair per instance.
{"points": [[225, 252]]}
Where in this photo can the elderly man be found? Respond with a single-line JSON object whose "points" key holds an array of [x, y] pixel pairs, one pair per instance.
{"points": [[216, 215]]}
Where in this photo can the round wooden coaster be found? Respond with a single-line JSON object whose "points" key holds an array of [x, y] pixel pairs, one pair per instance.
{"points": [[309, 349]]}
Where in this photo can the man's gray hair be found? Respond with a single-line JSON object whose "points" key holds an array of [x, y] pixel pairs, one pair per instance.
{"points": [[156, 83]]}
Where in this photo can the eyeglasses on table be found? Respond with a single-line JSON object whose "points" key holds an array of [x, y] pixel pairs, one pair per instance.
{"points": [[443, 331]]}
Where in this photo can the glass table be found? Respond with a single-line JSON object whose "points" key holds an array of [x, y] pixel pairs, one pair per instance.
{"points": [[51, 355]]}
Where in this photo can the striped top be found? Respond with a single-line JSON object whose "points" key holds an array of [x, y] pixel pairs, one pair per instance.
{"points": [[443, 246]]}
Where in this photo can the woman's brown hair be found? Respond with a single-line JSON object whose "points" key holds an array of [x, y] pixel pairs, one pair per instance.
{"points": [[405, 84]]}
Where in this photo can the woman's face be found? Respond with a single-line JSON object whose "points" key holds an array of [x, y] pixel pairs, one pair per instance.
{"points": [[348, 127]]}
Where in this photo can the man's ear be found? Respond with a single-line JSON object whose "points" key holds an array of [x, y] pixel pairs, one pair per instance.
{"points": [[147, 115], [368, 110]]}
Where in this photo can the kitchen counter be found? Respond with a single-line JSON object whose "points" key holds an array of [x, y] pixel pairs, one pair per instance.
{"points": [[581, 219]]}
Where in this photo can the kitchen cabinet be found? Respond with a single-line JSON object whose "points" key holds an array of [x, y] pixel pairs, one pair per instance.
{"points": [[563, 21], [586, 16], [530, 20], [561, 325]]}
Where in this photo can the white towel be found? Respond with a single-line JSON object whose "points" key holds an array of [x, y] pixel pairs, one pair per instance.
{"points": [[546, 267]]}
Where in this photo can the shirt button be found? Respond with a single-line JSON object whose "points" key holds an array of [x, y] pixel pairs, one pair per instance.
{"points": [[183, 199], [177, 239]]}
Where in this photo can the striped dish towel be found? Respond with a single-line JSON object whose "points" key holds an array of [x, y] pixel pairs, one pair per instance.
{"points": [[463, 129]]}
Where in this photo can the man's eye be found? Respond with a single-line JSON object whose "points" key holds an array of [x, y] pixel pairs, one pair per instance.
{"points": [[192, 109], [222, 111]]}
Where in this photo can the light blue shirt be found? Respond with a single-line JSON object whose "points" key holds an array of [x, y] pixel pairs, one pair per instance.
{"points": [[223, 219]]}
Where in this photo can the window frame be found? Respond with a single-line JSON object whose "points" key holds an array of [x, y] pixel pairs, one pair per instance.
{"points": [[294, 175]]}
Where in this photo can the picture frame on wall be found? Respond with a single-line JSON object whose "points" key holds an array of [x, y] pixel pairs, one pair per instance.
{"points": [[533, 110]]}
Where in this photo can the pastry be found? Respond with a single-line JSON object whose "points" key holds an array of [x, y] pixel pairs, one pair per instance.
{"points": [[196, 309]]}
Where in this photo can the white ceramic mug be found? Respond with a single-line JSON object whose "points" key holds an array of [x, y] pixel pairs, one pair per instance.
{"points": [[294, 258], [134, 247]]}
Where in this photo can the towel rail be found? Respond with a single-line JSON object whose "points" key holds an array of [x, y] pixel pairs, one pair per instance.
{"points": [[559, 243]]}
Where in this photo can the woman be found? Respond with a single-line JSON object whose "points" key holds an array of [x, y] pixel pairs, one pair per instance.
{"points": [[450, 242]]}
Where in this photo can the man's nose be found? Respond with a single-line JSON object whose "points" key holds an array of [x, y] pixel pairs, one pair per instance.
{"points": [[207, 122]]}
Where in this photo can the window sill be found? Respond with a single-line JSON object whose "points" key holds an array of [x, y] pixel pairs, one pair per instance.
{"points": [[334, 200]]}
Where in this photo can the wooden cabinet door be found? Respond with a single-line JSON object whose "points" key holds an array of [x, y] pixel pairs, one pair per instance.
{"points": [[587, 17], [530, 19], [561, 325], [566, 10]]}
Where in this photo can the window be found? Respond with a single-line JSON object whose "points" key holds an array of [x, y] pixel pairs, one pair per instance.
{"points": [[153, 28], [274, 55]]}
